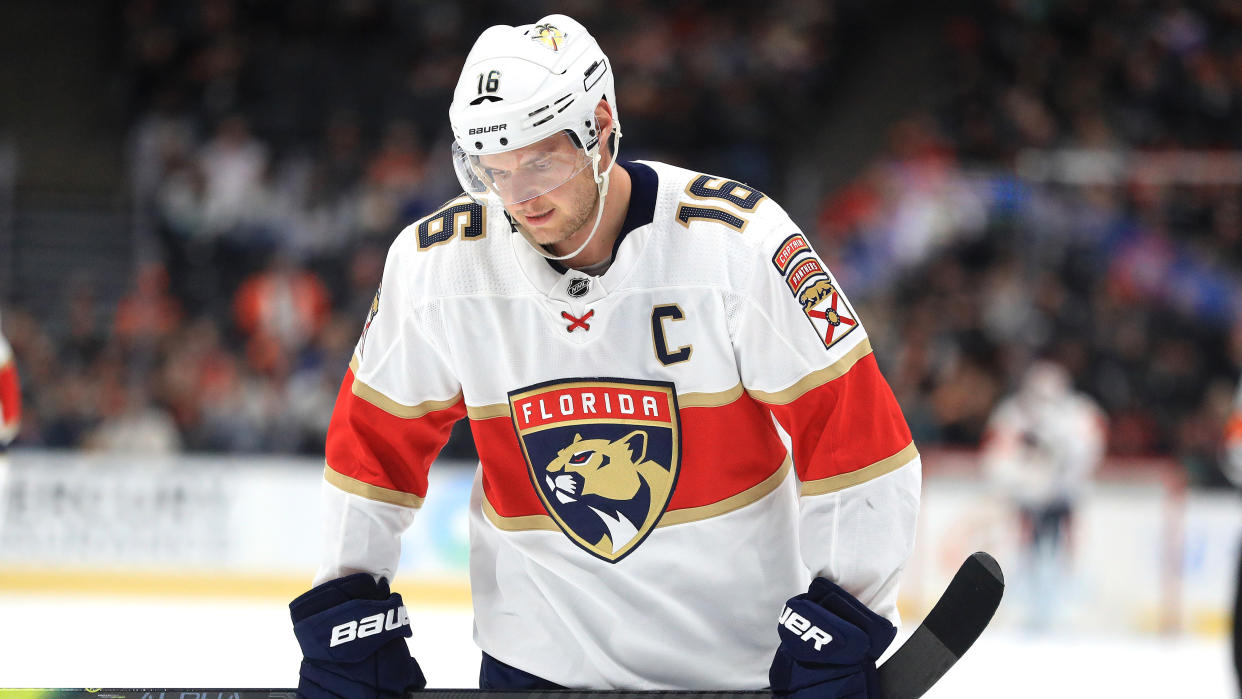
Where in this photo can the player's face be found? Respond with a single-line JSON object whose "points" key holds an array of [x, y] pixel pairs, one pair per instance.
{"points": [[547, 187], [556, 216]]}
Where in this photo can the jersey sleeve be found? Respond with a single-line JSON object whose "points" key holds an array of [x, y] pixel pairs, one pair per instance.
{"points": [[803, 352], [10, 395], [394, 412]]}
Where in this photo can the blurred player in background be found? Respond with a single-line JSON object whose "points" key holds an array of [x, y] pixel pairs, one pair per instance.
{"points": [[1041, 447], [10, 396], [621, 335], [10, 410], [1231, 463]]}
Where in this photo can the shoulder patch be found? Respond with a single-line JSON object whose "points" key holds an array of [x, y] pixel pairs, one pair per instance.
{"points": [[812, 286], [789, 249]]}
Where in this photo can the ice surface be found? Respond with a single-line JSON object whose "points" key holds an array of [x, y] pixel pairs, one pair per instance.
{"points": [[61, 641]]}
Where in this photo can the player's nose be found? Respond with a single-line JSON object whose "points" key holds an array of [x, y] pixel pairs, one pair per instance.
{"points": [[533, 205]]}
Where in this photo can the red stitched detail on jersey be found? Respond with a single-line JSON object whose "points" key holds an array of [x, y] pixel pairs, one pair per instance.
{"points": [[575, 323], [381, 449], [725, 451], [10, 394], [846, 424]]}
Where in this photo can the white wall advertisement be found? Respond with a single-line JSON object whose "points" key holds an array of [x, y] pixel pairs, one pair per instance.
{"points": [[1142, 557]]}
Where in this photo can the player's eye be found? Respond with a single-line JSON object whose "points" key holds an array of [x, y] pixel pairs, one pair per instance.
{"points": [[581, 457]]}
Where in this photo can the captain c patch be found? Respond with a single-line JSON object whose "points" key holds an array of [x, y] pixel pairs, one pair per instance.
{"points": [[603, 455]]}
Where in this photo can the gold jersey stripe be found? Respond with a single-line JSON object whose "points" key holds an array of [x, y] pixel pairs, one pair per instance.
{"points": [[204, 583], [710, 400], [670, 518], [815, 379], [518, 524], [686, 400], [392, 407], [487, 412], [729, 504], [832, 484], [368, 491]]}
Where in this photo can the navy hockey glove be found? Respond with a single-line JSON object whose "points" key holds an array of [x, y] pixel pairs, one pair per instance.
{"points": [[352, 633], [829, 644]]}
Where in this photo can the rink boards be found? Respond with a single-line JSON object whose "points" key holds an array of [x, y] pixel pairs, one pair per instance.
{"points": [[1144, 556]]}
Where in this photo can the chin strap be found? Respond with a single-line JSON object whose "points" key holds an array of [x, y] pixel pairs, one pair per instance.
{"points": [[601, 183]]}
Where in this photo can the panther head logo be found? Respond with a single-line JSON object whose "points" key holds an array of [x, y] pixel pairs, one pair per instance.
{"points": [[815, 293], [603, 456], [611, 479]]}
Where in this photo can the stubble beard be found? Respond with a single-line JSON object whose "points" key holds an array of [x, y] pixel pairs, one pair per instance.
{"points": [[576, 220]]}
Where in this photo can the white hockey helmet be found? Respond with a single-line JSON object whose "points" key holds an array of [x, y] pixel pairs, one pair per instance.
{"points": [[531, 84]]}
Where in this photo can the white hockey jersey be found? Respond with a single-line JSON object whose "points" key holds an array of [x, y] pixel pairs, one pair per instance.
{"points": [[637, 520], [1043, 444]]}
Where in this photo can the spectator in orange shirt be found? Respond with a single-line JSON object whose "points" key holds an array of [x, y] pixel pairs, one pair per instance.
{"points": [[280, 309]]}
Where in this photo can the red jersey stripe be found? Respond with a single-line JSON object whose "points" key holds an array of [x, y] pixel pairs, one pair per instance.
{"points": [[845, 424], [726, 450], [10, 394], [375, 447]]}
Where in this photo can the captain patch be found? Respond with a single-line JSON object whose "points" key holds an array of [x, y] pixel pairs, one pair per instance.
{"points": [[793, 245]]}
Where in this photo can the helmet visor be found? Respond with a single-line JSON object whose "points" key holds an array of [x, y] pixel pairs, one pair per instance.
{"points": [[523, 173]]}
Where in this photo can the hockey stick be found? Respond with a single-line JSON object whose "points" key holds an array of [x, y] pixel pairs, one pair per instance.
{"points": [[957, 619], [951, 627]]}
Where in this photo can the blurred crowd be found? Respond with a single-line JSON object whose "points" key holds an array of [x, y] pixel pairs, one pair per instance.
{"points": [[1075, 195], [1072, 196], [277, 147]]}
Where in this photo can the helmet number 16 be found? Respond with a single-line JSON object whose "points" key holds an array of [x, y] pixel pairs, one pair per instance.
{"points": [[489, 82]]}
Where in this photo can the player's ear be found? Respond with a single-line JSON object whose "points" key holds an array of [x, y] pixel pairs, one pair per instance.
{"points": [[606, 124]]}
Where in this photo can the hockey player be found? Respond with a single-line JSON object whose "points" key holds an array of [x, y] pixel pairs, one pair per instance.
{"points": [[10, 396], [621, 336], [1041, 447], [1231, 463]]}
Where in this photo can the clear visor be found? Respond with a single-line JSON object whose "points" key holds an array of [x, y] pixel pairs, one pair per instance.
{"points": [[523, 173]]}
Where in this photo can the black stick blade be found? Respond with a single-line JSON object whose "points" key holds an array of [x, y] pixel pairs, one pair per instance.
{"points": [[957, 619]]}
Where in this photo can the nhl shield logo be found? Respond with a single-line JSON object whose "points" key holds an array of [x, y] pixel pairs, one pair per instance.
{"points": [[603, 454]]}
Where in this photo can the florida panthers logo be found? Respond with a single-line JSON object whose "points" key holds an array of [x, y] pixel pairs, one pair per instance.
{"points": [[603, 454]]}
